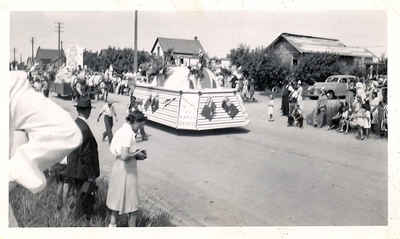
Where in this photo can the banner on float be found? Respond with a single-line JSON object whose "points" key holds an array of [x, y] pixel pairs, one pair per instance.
{"points": [[74, 56]]}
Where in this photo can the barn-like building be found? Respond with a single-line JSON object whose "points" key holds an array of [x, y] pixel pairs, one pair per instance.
{"points": [[290, 48], [47, 56]]}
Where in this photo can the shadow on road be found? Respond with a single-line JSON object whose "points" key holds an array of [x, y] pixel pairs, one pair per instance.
{"points": [[195, 133]]}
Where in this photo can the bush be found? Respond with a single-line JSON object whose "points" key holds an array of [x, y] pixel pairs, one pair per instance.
{"points": [[39, 210], [318, 66]]}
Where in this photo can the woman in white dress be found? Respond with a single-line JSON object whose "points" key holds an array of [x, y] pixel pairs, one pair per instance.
{"points": [[122, 195], [300, 95]]}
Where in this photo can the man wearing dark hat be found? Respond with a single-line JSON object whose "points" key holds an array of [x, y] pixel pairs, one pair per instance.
{"points": [[83, 162]]}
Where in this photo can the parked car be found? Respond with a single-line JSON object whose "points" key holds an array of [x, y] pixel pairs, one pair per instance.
{"points": [[335, 86]]}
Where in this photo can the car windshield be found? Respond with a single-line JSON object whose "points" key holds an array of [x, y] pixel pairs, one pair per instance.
{"points": [[332, 79]]}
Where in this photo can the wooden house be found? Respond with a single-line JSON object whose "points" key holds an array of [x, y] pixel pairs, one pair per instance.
{"points": [[290, 48], [184, 51]]}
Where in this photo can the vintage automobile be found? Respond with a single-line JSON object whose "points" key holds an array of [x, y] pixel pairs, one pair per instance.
{"points": [[335, 86]]}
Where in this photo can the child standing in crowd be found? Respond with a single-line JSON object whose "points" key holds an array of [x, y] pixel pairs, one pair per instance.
{"points": [[298, 116], [270, 112], [344, 121]]}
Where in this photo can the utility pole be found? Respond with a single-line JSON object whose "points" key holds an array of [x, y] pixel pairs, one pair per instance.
{"points": [[135, 64], [32, 60], [13, 63], [59, 30]]}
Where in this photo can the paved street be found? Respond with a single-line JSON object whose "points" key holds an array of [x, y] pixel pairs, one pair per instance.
{"points": [[264, 174]]}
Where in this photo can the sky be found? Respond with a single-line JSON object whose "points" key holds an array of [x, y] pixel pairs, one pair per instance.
{"points": [[218, 31]]}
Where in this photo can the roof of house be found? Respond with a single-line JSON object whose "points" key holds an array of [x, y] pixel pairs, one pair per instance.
{"points": [[310, 44], [180, 46], [48, 54]]}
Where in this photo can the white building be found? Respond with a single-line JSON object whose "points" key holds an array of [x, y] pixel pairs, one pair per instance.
{"points": [[184, 51]]}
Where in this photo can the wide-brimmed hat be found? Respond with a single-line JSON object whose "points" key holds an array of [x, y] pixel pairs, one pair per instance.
{"points": [[83, 103]]}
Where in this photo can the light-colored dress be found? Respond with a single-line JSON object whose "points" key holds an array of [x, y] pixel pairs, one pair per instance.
{"points": [[374, 104], [300, 97], [122, 195], [367, 121]]}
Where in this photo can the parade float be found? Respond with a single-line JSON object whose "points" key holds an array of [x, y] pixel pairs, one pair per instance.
{"points": [[62, 83], [190, 98]]}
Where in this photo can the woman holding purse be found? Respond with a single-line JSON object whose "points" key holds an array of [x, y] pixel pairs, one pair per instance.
{"points": [[122, 195]]}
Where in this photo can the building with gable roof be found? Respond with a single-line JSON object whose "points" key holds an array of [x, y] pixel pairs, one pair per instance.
{"points": [[290, 48], [47, 56], [184, 51]]}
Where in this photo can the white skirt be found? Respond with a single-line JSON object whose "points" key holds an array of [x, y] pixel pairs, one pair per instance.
{"points": [[122, 195]]}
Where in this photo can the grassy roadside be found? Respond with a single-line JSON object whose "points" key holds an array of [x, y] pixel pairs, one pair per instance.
{"points": [[39, 210]]}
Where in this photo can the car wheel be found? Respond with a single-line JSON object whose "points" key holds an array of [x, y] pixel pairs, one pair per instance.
{"points": [[330, 95]]}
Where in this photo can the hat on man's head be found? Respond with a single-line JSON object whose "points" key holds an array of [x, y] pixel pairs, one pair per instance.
{"points": [[137, 116], [83, 103]]}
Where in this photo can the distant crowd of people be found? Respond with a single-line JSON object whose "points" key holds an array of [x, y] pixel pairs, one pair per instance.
{"points": [[364, 108], [245, 86]]}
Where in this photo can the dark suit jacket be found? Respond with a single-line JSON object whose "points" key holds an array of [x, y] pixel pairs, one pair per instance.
{"points": [[83, 162]]}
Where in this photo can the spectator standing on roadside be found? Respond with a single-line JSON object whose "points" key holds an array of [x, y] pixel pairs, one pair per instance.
{"points": [[319, 118], [285, 99], [270, 112], [300, 95], [134, 106], [83, 163], [45, 88], [122, 194], [109, 112]]}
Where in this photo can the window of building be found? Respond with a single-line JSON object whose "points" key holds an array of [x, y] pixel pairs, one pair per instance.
{"points": [[294, 62], [158, 51]]}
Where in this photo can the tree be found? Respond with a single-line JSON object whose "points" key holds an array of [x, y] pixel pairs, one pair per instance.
{"points": [[240, 56], [317, 67], [121, 59], [264, 67]]}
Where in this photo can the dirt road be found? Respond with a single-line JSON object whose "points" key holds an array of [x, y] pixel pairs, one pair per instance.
{"points": [[265, 174]]}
